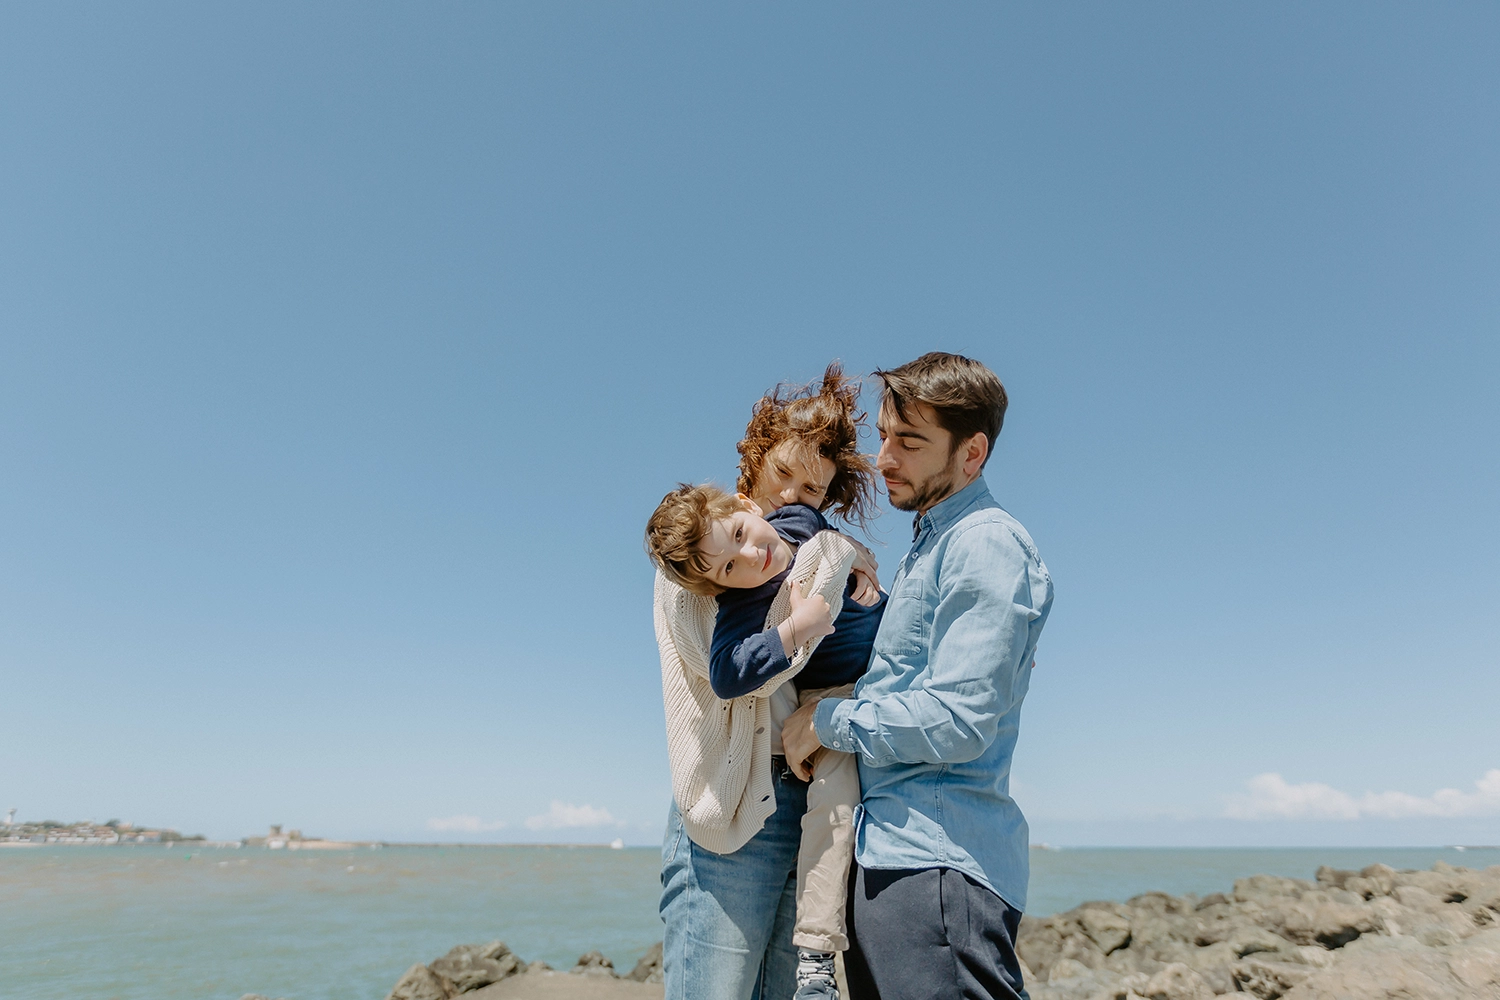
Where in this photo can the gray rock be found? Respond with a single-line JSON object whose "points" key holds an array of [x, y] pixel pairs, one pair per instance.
{"points": [[474, 966], [1272, 888], [1177, 982], [1269, 980], [593, 964], [1410, 972], [1416, 898], [1380, 879], [1079, 948], [1332, 925], [1250, 939], [1163, 935], [1105, 928], [421, 983], [1077, 982], [1333, 876], [1129, 961], [1318, 958], [1449, 925], [648, 969], [1067, 968]]}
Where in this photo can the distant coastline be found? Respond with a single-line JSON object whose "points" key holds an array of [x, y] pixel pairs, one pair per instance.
{"points": [[116, 833], [88, 834]]}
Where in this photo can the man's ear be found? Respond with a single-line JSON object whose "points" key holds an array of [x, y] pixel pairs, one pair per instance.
{"points": [[975, 451]]}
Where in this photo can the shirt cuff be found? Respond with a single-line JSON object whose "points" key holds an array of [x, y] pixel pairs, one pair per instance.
{"points": [[831, 723]]}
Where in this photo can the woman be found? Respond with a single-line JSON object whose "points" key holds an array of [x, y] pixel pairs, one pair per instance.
{"points": [[729, 859]]}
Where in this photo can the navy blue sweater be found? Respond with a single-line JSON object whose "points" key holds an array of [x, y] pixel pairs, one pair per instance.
{"points": [[746, 654]]}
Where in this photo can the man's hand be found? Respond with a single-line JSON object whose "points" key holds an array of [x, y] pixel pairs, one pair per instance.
{"points": [[799, 741]]}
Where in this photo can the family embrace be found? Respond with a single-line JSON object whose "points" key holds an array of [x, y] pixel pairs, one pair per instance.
{"points": [[840, 754]]}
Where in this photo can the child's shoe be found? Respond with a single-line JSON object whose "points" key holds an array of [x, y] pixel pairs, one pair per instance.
{"points": [[815, 978]]}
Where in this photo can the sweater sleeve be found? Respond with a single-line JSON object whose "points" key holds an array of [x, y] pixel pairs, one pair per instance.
{"points": [[745, 654], [746, 650]]}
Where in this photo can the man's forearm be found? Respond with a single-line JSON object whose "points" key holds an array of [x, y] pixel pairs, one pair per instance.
{"points": [[913, 727]]}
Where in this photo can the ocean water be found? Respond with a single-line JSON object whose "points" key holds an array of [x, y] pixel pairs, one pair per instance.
{"points": [[183, 923]]}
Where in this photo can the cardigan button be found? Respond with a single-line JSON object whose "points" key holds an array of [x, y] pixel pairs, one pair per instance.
{"points": [[760, 730]]}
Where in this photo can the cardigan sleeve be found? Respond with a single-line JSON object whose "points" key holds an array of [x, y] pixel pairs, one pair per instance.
{"points": [[822, 566]]}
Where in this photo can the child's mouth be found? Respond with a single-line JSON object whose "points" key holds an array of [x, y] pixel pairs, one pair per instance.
{"points": [[767, 564]]}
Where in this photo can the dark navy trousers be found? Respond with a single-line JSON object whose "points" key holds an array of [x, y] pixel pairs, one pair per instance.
{"points": [[929, 934]]}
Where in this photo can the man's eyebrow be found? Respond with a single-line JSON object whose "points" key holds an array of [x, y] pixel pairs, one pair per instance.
{"points": [[889, 432]]}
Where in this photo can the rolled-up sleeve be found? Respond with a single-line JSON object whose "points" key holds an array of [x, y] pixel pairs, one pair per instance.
{"points": [[979, 642]]}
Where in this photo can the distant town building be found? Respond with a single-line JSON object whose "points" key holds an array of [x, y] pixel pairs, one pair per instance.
{"points": [[84, 833], [292, 840]]}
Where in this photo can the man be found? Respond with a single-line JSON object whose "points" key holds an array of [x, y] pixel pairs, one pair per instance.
{"points": [[940, 873]]}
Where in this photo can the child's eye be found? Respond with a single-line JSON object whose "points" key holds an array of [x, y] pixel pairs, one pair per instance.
{"points": [[728, 567], [739, 533]]}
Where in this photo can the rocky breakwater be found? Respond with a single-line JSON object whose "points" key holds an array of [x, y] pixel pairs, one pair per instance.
{"points": [[485, 971], [1376, 933]]}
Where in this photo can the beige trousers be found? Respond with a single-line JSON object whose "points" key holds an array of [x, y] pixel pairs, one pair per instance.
{"points": [[827, 843]]}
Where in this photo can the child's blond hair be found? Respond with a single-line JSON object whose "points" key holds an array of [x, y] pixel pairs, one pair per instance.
{"points": [[680, 523]]}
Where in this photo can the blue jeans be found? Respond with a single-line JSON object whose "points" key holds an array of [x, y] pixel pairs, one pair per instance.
{"points": [[729, 917]]}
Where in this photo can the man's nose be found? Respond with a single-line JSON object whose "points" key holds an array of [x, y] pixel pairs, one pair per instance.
{"points": [[883, 459]]}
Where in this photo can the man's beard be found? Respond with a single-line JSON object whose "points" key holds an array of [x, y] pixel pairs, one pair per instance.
{"points": [[930, 491]]}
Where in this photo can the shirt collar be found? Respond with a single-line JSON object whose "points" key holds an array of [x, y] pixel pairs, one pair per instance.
{"points": [[948, 511]]}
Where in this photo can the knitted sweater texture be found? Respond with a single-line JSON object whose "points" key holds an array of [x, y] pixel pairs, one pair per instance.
{"points": [[720, 751]]}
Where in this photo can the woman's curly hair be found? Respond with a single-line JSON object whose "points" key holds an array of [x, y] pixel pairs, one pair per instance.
{"points": [[824, 419]]}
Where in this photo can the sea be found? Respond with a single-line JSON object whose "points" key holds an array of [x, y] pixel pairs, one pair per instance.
{"points": [[185, 922]]}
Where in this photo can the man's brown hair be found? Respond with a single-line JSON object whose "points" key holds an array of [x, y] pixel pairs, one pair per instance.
{"points": [[681, 521], [819, 419], [966, 397]]}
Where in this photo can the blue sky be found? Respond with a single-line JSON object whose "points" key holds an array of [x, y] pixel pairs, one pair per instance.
{"points": [[345, 349]]}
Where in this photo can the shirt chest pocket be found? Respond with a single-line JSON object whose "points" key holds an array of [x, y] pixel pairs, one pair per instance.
{"points": [[904, 629]]}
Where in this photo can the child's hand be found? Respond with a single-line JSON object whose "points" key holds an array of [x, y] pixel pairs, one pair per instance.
{"points": [[811, 618]]}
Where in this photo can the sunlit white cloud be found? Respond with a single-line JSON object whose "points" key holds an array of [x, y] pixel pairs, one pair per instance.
{"points": [[464, 824], [1270, 796], [562, 815]]}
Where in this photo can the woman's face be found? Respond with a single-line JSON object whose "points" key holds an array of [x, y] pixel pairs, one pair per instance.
{"points": [[788, 476]]}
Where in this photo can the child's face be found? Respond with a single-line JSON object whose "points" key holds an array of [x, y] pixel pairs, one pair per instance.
{"points": [[788, 476], [743, 550]]}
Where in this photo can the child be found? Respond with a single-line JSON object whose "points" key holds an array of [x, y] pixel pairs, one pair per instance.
{"points": [[773, 576]]}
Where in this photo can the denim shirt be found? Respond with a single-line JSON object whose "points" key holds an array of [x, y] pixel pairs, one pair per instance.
{"points": [[935, 719]]}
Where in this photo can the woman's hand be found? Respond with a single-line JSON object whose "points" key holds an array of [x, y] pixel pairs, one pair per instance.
{"points": [[811, 618], [866, 575]]}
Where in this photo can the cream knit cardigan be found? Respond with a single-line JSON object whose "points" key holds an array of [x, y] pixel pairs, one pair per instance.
{"points": [[720, 751]]}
